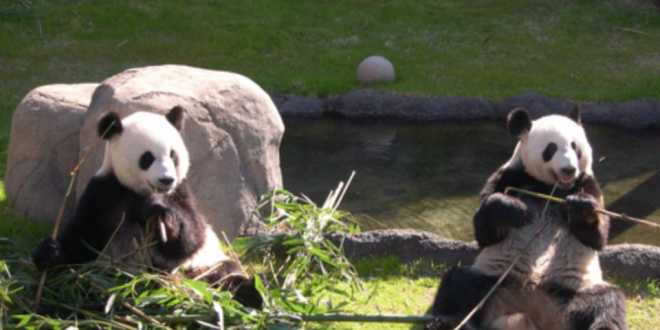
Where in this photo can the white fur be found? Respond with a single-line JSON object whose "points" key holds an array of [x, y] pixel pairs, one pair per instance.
{"points": [[562, 131], [208, 256], [555, 256], [145, 131]]}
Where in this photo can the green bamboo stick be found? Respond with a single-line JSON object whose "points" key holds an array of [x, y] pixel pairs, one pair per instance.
{"points": [[424, 319], [611, 214], [535, 194], [60, 211]]}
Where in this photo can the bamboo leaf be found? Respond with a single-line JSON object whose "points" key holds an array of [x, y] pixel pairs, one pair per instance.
{"points": [[109, 303]]}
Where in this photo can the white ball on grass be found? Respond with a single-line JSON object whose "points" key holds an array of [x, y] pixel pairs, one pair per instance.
{"points": [[375, 69]]}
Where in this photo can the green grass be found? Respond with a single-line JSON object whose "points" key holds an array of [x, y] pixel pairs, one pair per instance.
{"points": [[395, 288], [592, 50], [589, 50]]}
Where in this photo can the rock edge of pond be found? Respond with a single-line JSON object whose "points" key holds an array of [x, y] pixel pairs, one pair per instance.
{"points": [[628, 261], [369, 103]]}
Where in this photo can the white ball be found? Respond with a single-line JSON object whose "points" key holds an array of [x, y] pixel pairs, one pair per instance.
{"points": [[375, 69]]}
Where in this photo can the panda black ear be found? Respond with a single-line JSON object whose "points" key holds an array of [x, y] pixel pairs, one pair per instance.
{"points": [[109, 125], [518, 122], [575, 115], [175, 117]]}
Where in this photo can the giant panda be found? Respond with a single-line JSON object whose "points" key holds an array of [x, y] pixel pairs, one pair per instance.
{"points": [[557, 283], [142, 185]]}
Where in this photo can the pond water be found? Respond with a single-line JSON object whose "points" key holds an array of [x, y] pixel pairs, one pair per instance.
{"points": [[428, 176]]}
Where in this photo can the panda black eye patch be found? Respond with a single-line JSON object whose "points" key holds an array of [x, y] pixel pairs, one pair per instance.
{"points": [[175, 159], [577, 150], [146, 160], [549, 152]]}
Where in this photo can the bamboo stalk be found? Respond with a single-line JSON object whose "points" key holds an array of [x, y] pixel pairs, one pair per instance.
{"points": [[89, 314], [128, 306], [368, 318], [60, 211], [611, 214]]}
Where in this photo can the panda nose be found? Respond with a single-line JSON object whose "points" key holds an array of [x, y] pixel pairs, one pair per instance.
{"points": [[568, 170], [166, 181]]}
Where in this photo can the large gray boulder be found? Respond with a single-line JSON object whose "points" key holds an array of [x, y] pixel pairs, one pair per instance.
{"points": [[232, 130], [43, 148]]}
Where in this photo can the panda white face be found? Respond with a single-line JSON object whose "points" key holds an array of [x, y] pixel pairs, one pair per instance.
{"points": [[147, 155], [554, 149]]}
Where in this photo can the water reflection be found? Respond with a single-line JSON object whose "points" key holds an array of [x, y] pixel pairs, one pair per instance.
{"points": [[428, 176]]}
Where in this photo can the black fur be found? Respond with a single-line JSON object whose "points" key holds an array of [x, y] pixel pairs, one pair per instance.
{"points": [[99, 212], [461, 290], [497, 213], [104, 125], [549, 151], [575, 115], [230, 277], [599, 307], [175, 117], [596, 307], [590, 228], [518, 122]]}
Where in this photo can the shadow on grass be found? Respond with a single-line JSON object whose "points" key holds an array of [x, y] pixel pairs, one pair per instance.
{"points": [[637, 200]]}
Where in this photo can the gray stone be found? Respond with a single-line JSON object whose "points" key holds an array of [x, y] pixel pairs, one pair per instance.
{"points": [[43, 149], [538, 105], [637, 114], [375, 69], [232, 130], [368, 103], [629, 261], [408, 245], [299, 106]]}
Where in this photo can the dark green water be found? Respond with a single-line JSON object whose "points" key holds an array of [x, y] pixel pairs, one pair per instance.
{"points": [[428, 176]]}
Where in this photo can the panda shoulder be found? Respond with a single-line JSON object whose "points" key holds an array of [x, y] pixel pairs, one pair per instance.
{"points": [[506, 176], [104, 187]]}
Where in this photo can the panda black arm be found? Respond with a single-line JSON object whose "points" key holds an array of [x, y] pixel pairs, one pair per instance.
{"points": [[184, 225], [497, 211], [589, 227], [97, 215]]}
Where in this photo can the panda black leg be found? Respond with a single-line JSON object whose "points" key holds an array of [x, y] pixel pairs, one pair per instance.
{"points": [[601, 307], [460, 291], [231, 277]]}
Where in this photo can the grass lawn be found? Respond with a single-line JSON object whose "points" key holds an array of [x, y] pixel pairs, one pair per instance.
{"points": [[394, 288], [587, 50], [591, 50]]}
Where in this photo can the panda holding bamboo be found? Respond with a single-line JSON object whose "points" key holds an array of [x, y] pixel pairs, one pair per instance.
{"points": [[557, 283], [142, 185]]}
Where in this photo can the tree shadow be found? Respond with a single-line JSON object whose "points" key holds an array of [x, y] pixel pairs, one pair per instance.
{"points": [[637, 201]]}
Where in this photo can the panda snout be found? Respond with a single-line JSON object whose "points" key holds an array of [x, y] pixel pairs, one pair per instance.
{"points": [[166, 181], [568, 170]]}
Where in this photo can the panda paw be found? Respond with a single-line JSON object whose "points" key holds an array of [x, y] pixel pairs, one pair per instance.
{"points": [[156, 212], [440, 323], [504, 211], [48, 253], [248, 295], [582, 207], [497, 213]]}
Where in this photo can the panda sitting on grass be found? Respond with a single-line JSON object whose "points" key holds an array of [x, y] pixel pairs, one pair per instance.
{"points": [[140, 187], [557, 283]]}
